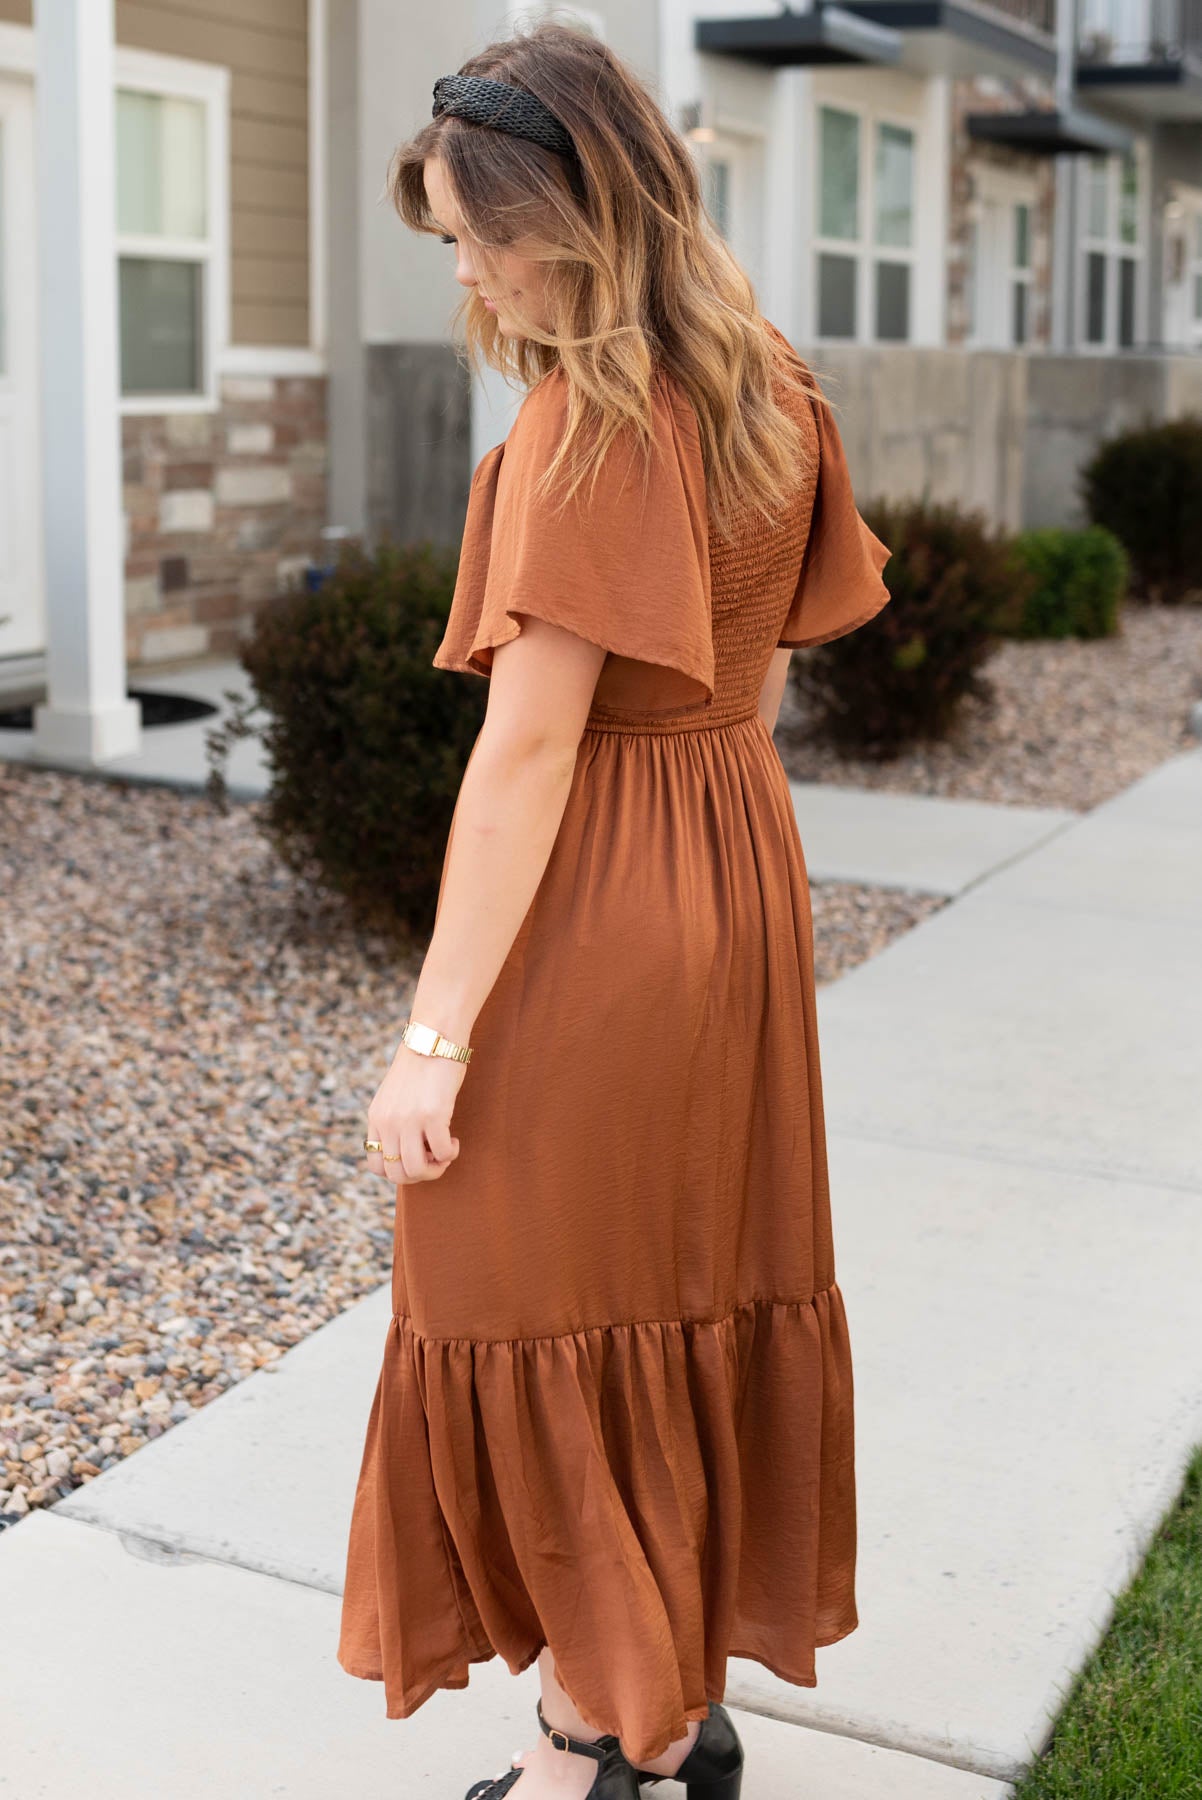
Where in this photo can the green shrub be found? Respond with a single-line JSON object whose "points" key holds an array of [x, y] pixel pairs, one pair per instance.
{"points": [[904, 676], [367, 742], [1080, 578], [1145, 485]]}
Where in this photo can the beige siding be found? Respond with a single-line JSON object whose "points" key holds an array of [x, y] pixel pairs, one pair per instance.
{"points": [[264, 44], [199, 28]]}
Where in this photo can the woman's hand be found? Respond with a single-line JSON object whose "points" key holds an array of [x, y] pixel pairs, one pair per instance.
{"points": [[411, 1116]]}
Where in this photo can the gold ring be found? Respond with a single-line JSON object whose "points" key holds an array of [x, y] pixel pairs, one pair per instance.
{"points": [[395, 1158], [370, 1144]]}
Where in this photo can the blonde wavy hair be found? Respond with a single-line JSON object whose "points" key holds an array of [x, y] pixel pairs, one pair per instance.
{"points": [[640, 278]]}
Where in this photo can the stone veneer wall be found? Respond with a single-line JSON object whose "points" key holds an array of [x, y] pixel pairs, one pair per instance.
{"points": [[988, 94], [223, 509]]}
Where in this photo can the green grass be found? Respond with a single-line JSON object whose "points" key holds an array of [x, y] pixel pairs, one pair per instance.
{"points": [[1131, 1728]]}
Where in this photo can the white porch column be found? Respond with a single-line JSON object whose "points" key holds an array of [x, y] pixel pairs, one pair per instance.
{"points": [[87, 718]]}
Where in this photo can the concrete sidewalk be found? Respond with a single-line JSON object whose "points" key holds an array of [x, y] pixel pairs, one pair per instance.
{"points": [[175, 754], [918, 842], [1011, 1097], [151, 1676]]}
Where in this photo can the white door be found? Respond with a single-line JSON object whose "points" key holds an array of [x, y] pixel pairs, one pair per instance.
{"points": [[22, 626], [1000, 260], [731, 186], [1183, 270]]}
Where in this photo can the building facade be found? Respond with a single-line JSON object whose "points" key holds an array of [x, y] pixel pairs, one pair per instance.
{"points": [[980, 173]]}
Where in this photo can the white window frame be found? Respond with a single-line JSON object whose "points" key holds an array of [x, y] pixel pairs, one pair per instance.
{"points": [[177, 77], [864, 248], [1115, 249]]}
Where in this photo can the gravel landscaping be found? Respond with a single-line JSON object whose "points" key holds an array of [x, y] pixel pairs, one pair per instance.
{"points": [[852, 923], [189, 1038], [1074, 722]]}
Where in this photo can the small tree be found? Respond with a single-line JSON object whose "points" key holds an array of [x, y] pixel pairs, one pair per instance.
{"points": [[366, 741], [905, 675], [1146, 486]]}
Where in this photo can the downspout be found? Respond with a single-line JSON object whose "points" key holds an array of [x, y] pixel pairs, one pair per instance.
{"points": [[1064, 228]]}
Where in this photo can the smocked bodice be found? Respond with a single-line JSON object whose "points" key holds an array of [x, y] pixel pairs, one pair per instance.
{"points": [[752, 578], [688, 619]]}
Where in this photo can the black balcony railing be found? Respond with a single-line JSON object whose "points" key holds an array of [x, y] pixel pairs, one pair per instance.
{"points": [[1037, 15], [1157, 32], [1040, 15]]}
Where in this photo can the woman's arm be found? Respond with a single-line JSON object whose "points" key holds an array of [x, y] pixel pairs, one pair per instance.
{"points": [[772, 692], [508, 813]]}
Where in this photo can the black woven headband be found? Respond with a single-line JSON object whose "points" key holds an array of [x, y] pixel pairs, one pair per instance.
{"points": [[483, 101]]}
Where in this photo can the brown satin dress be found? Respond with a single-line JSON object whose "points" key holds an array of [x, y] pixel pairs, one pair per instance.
{"points": [[615, 1410]]}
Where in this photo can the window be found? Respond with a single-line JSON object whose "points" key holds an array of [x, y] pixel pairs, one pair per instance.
{"points": [[1020, 276], [894, 209], [717, 193], [865, 240], [162, 227], [1111, 251], [171, 230]]}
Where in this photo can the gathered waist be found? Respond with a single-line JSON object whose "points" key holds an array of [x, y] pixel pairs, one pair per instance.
{"points": [[668, 724]]}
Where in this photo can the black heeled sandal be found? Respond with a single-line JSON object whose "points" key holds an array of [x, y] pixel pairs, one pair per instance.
{"points": [[615, 1778], [713, 1769]]}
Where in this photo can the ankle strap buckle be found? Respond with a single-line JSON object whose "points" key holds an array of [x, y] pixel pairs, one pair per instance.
{"points": [[553, 1732]]}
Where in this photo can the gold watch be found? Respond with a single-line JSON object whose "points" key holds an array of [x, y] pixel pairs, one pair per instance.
{"points": [[428, 1042]]}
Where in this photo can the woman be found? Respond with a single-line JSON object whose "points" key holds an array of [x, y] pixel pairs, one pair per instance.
{"points": [[613, 1429]]}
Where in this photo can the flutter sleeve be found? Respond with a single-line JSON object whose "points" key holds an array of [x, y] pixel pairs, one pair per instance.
{"points": [[626, 569], [839, 586]]}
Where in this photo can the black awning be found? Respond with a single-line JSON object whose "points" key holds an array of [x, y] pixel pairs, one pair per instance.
{"points": [[953, 38], [828, 34], [1057, 131]]}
